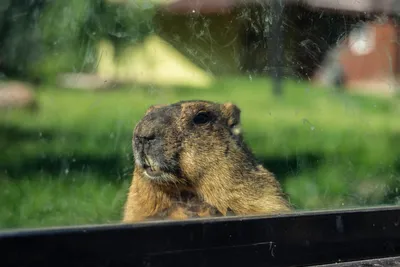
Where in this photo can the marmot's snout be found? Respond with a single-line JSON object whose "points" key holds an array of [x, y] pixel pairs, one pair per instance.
{"points": [[149, 146], [148, 153]]}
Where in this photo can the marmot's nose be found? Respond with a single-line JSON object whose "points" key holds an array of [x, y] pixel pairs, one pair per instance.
{"points": [[145, 139], [146, 135], [146, 144], [147, 132]]}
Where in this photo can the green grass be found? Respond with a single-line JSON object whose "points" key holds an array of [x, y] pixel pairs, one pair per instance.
{"points": [[71, 163]]}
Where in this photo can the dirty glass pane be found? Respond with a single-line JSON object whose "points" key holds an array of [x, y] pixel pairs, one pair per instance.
{"points": [[311, 87]]}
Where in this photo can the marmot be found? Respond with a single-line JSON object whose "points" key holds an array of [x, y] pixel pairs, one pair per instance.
{"points": [[191, 161]]}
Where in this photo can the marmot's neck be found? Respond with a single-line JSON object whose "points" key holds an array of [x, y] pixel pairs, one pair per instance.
{"points": [[242, 185]]}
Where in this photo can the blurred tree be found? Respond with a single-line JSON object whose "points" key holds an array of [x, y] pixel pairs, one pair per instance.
{"points": [[40, 38], [72, 29], [19, 36]]}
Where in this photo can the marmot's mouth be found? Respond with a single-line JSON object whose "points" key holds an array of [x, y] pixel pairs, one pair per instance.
{"points": [[151, 168], [152, 171]]}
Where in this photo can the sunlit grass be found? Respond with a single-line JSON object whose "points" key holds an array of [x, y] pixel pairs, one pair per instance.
{"points": [[77, 198]]}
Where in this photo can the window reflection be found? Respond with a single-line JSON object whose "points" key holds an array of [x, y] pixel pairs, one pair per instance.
{"points": [[315, 82]]}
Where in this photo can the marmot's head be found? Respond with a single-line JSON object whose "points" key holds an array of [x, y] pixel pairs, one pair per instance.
{"points": [[182, 142]]}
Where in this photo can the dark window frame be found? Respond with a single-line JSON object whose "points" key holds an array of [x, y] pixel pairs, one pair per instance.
{"points": [[298, 239]]}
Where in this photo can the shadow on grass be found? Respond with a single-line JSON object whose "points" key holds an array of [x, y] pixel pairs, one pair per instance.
{"points": [[17, 163], [109, 168], [112, 166], [290, 165], [10, 134]]}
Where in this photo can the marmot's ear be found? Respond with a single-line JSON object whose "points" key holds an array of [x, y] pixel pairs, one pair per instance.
{"points": [[232, 113], [153, 107]]}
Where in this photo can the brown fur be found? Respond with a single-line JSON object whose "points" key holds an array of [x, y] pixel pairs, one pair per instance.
{"points": [[207, 168]]}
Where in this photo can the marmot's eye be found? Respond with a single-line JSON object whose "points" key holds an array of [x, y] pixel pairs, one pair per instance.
{"points": [[201, 118]]}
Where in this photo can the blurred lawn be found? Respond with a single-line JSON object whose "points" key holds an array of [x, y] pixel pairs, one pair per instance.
{"points": [[72, 162]]}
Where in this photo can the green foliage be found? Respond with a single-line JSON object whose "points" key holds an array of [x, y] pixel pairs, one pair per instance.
{"points": [[72, 29], [43, 38], [122, 24], [19, 36], [72, 162]]}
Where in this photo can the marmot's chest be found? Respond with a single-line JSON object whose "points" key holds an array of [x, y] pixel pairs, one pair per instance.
{"points": [[188, 205]]}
